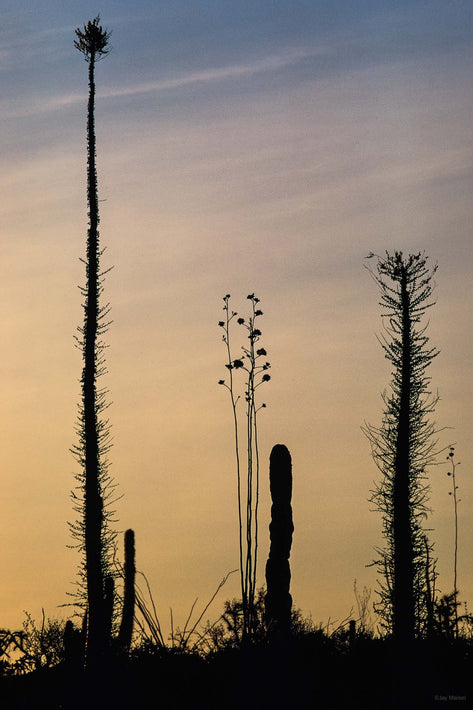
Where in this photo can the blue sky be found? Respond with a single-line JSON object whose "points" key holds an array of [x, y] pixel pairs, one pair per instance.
{"points": [[266, 147]]}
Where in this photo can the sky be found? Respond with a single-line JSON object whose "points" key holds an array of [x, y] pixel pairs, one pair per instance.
{"points": [[243, 147]]}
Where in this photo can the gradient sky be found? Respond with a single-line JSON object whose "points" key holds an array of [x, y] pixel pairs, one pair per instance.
{"points": [[265, 147]]}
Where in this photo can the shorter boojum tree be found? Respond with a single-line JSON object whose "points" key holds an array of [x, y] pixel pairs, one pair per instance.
{"points": [[404, 445]]}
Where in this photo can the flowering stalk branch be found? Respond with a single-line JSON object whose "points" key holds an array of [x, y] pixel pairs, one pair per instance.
{"points": [[453, 493]]}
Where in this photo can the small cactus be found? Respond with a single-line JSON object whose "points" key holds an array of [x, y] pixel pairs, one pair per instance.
{"points": [[109, 599], [74, 645], [352, 633], [128, 613], [278, 601]]}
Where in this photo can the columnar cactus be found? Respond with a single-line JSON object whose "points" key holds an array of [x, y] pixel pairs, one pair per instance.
{"points": [[109, 603], [74, 645], [126, 626], [278, 601]]}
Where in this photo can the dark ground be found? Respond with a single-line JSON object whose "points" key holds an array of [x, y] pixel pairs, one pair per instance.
{"points": [[308, 673]]}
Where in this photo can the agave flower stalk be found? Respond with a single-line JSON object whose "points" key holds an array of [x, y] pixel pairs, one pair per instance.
{"points": [[252, 361]]}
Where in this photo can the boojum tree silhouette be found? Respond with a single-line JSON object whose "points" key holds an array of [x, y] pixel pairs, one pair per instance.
{"points": [[404, 444], [91, 498]]}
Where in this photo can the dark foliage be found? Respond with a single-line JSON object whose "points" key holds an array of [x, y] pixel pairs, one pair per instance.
{"points": [[312, 670]]}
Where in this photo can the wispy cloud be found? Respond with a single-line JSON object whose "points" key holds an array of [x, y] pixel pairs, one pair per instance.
{"points": [[270, 63], [30, 45], [233, 71]]}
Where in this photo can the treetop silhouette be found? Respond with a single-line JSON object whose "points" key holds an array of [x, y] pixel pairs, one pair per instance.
{"points": [[93, 40]]}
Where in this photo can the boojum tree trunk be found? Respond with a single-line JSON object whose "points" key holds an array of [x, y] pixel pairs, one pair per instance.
{"points": [[278, 600], [96, 642], [403, 585]]}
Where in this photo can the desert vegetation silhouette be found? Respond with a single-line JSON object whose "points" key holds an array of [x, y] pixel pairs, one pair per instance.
{"points": [[260, 652]]}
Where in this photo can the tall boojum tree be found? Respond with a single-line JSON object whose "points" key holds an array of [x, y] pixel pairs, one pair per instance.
{"points": [[92, 530], [404, 445]]}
